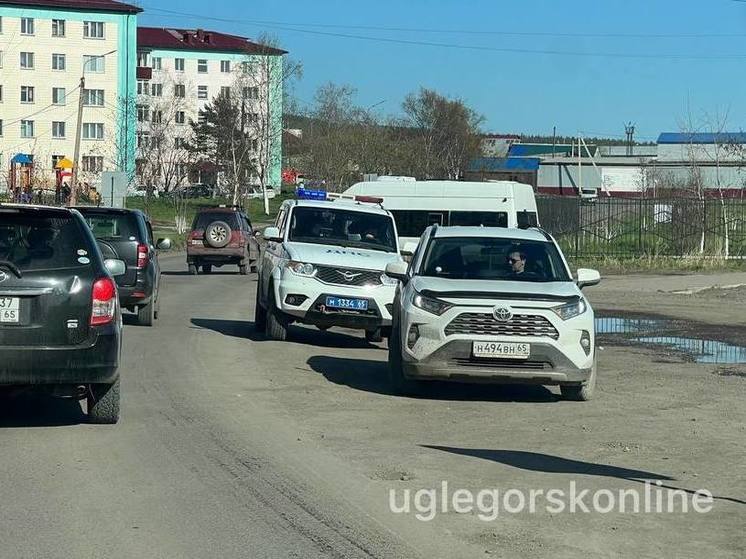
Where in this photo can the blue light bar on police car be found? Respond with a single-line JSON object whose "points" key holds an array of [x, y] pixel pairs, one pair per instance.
{"points": [[305, 194]]}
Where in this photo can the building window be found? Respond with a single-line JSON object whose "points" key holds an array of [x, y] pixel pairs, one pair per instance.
{"points": [[225, 91], [93, 130], [180, 117], [27, 94], [27, 26], [157, 117], [225, 66], [179, 64], [1, 126], [58, 62], [27, 129], [93, 29], [251, 93], [1, 93], [201, 92], [93, 163], [93, 97], [58, 28], [143, 87], [58, 129], [156, 89], [142, 113], [143, 59], [202, 66], [1, 59], [1, 24], [179, 90], [254, 145], [93, 64], [58, 95], [179, 143], [27, 60], [156, 63], [143, 140], [253, 118]]}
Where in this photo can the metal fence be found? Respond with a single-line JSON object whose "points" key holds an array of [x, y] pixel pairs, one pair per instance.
{"points": [[632, 227]]}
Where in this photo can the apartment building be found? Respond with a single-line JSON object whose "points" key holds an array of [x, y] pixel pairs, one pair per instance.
{"points": [[46, 47], [179, 71]]}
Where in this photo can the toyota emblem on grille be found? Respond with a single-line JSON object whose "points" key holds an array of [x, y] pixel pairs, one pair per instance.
{"points": [[347, 275], [502, 314], [3, 276]]}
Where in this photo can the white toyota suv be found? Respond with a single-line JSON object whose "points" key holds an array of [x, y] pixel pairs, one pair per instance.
{"points": [[323, 264], [492, 305]]}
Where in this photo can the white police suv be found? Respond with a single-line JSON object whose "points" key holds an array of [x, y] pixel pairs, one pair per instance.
{"points": [[323, 264], [494, 305]]}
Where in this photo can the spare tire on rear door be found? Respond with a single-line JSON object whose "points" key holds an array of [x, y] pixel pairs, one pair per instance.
{"points": [[218, 234]]}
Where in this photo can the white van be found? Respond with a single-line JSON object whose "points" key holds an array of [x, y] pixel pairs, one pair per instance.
{"points": [[418, 204]]}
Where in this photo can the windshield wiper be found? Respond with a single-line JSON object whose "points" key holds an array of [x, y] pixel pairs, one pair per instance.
{"points": [[12, 267]]}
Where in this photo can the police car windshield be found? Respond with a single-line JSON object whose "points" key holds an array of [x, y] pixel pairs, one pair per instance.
{"points": [[342, 227], [488, 258]]}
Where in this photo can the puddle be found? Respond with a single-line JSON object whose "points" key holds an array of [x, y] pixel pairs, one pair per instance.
{"points": [[700, 349]]}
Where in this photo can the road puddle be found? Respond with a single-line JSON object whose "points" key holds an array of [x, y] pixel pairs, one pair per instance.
{"points": [[624, 325], [703, 351]]}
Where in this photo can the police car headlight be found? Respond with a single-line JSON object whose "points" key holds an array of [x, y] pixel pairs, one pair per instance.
{"points": [[571, 310], [386, 280], [429, 304], [301, 268]]}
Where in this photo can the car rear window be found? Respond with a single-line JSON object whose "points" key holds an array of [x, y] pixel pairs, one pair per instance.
{"points": [[201, 221], [42, 241], [112, 226]]}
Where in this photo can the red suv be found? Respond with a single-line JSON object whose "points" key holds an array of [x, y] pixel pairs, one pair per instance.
{"points": [[221, 235]]}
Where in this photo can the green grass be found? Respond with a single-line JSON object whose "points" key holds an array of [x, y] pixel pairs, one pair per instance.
{"points": [[658, 264]]}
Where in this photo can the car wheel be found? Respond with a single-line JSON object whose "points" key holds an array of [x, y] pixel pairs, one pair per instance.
{"points": [[192, 269], [374, 336], [218, 234], [206, 268], [399, 383], [580, 392], [243, 269], [103, 403], [146, 314], [276, 327], [260, 313]]}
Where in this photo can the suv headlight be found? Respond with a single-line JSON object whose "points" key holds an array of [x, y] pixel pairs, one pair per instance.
{"points": [[386, 280], [571, 310], [301, 268], [429, 304]]}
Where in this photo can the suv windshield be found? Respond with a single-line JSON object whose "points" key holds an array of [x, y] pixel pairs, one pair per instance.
{"points": [[489, 258], [112, 226], [42, 241], [343, 227]]}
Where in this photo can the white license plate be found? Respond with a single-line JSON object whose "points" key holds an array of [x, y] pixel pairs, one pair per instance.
{"points": [[500, 350], [9, 309]]}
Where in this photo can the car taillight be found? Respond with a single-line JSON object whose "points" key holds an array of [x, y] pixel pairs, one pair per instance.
{"points": [[195, 235], [235, 238], [142, 256], [104, 301]]}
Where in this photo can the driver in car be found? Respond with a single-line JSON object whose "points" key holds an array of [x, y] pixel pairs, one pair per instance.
{"points": [[517, 262]]}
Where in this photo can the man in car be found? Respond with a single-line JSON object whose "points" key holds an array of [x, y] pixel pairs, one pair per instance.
{"points": [[517, 262]]}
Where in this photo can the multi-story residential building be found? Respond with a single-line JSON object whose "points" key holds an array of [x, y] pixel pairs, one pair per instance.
{"points": [[181, 71], [46, 48]]}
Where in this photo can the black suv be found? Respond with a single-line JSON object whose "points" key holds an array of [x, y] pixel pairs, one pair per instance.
{"points": [[60, 322], [128, 235]]}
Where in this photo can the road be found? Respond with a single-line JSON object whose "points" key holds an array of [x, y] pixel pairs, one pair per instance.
{"points": [[233, 446]]}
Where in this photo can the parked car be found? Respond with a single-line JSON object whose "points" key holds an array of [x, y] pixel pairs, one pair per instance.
{"points": [[128, 236], [492, 305], [193, 191], [60, 322], [221, 235], [256, 193]]}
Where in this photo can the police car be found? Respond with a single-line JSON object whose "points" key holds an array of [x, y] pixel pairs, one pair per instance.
{"points": [[323, 264]]}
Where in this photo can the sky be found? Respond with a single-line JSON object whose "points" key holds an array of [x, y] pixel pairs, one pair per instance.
{"points": [[586, 67]]}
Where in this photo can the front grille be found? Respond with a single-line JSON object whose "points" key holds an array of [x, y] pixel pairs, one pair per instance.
{"points": [[529, 325], [348, 276], [501, 364]]}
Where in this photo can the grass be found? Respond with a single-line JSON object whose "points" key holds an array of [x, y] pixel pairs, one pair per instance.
{"points": [[658, 264]]}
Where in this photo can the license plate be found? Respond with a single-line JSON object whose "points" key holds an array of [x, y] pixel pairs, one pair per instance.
{"points": [[500, 350], [352, 304], [9, 309]]}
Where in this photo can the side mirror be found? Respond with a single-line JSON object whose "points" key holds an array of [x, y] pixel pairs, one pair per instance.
{"points": [[397, 270], [163, 244], [272, 234], [587, 277], [115, 267], [409, 248]]}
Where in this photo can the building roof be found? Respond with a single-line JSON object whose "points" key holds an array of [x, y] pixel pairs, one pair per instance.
{"points": [[702, 138], [500, 136], [494, 164], [527, 150], [78, 5], [199, 40]]}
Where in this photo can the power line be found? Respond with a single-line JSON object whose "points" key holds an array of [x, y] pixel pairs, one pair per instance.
{"points": [[51, 105]]}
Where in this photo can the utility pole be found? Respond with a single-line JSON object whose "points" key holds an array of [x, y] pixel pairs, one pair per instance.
{"points": [[554, 139], [629, 130], [76, 162]]}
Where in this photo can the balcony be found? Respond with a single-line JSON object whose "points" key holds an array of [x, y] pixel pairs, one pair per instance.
{"points": [[144, 73]]}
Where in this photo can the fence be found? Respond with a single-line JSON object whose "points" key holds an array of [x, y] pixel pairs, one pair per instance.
{"points": [[629, 227]]}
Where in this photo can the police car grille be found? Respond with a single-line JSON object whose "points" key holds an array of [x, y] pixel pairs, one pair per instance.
{"points": [[348, 276], [528, 325]]}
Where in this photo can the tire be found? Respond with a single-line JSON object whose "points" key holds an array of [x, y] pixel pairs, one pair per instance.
{"points": [[276, 327], [260, 313], [243, 269], [206, 268], [103, 403], [192, 269], [580, 392], [218, 234], [157, 310], [399, 383], [374, 336], [146, 314]]}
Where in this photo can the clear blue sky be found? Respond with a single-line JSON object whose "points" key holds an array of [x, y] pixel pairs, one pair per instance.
{"points": [[515, 91]]}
